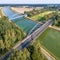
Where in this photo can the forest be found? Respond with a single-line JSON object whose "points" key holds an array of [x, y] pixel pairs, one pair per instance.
{"points": [[10, 34]]}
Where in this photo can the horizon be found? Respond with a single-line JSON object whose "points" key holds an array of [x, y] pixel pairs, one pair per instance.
{"points": [[30, 2]]}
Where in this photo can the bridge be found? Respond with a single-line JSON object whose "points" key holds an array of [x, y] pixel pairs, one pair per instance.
{"points": [[25, 42], [34, 28], [16, 17]]}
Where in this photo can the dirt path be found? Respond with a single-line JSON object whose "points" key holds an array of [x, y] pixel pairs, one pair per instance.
{"points": [[48, 56], [56, 28]]}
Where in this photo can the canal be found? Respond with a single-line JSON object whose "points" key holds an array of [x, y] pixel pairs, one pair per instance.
{"points": [[20, 21]]}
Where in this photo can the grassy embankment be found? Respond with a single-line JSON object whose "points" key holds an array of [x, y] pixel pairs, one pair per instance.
{"points": [[38, 16], [50, 40]]}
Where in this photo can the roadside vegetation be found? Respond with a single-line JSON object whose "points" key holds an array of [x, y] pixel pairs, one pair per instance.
{"points": [[45, 15], [9, 35], [38, 11], [42, 16], [32, 52], [57, 21], [33, 12]]}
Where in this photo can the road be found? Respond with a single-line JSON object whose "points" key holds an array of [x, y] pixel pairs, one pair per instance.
{"points": [[24, 43], [48, 56], [56, 28]]}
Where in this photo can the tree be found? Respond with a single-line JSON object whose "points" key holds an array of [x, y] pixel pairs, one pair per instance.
{"points": [[9, 34]]}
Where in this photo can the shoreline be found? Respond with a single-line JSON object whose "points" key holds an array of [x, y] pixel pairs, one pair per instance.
{"points": [[21, 9]]}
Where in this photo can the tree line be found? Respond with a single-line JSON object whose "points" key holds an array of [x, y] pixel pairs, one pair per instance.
{"points": [[9, 35]]}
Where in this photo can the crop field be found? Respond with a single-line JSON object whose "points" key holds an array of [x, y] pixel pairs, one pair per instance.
{"points": [[36, 17], [50, 40]]}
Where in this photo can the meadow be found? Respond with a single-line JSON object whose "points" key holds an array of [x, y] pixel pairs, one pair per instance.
{"points": [[36, 17], [50, 40]]}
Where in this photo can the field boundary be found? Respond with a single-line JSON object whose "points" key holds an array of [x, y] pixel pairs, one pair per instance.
{"points": [[49, 52]]}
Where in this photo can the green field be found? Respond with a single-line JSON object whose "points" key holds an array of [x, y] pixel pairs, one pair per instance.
{"points": [[36, 17], [50, 40]]}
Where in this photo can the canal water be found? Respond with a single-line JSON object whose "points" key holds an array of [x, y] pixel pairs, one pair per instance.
{"points": [[20, 21]]}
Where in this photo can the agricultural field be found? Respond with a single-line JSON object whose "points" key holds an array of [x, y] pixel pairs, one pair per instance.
{"points": [[36, 17], [50, 40]]}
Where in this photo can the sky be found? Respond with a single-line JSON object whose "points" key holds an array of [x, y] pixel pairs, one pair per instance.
{"points": [[29, 1]]}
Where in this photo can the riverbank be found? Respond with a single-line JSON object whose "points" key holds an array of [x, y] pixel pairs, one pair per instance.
{"points": [[54, 27], [21, 9], [34, 20], [36, 17]]}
